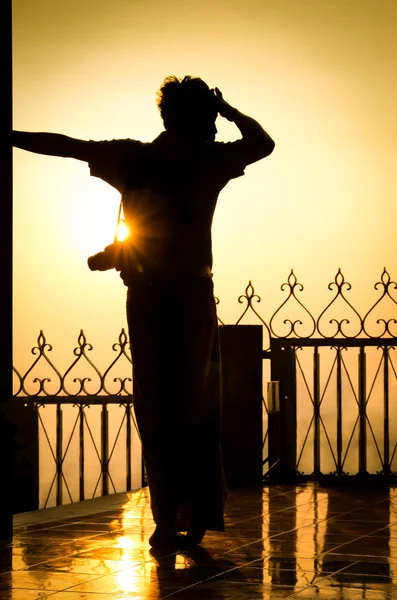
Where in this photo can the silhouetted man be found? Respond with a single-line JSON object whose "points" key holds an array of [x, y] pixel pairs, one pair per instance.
{"points": [[169, 190]]}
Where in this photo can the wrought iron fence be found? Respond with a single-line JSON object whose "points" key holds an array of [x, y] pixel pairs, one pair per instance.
{"points": [[71, 395], [339, 419], [327, 325], [321, 424]]}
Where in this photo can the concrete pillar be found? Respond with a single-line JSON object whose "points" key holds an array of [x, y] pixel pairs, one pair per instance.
{"points": [[241, 359], [5, 262]]}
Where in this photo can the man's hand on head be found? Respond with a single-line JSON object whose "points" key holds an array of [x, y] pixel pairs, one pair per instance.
{"points": [[224, 109], [257, 141]]}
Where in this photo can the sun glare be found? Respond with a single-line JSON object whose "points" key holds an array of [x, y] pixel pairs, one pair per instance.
{"points": [[123, 231]]}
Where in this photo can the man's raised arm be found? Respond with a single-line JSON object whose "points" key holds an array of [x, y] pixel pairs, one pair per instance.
{"points": [[53, 144], [258, 142]]}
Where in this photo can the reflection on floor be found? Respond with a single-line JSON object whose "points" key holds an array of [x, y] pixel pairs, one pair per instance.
{"points": [[280, 542]]}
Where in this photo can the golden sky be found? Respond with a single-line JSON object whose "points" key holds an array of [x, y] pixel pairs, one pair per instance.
{"points": [[320, 76]]}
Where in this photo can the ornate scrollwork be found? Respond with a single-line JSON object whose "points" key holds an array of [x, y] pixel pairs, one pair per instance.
{"points": [[249, 296], [339, 283], [121, 348], [81, 353], [386, 283], [41, 351], [292, 285], [301, 328], [21, 387], [19, 377]]}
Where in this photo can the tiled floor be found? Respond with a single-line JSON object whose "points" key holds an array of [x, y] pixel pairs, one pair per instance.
{"points": [[281, 542]]}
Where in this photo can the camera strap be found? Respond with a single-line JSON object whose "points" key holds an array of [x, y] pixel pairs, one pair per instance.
{"points": [[119, 219]]}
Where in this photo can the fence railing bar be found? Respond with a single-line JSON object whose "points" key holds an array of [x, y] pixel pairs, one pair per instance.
{"points": [[362, 405], [350, 441], [304, 378], [378, 370], [92, 438], [329, 443], [349, 379], [63, 478], [386, 422], [105, 449], [128, 462], [339, 412], [328, 379], [116, 438], [76, 399], [111, 481], [316, 413], [70, 439], [50, 489], [97, 484], [304, 442], [393, 367], [375, 442], [359, 342], [58, 446], [81, 454]]}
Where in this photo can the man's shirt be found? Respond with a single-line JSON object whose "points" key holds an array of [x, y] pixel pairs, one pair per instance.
{"points": [[169, 189]]}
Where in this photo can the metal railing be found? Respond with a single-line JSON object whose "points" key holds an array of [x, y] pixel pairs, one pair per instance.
{"points": [[68, 392], [338, 386], [291, 327]]}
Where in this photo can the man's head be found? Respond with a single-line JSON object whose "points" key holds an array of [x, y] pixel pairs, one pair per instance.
{"points": [[188, 106]]}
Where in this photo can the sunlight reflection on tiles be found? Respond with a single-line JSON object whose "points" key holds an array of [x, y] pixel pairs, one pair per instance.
{"points": [[280, 542], [46, 580]]}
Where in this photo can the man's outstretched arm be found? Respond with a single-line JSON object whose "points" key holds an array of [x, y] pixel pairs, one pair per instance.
{"points": [[258, 142], [53, 144]]}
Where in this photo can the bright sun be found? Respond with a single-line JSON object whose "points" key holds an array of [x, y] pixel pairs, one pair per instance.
{"points": [[122, 231]]}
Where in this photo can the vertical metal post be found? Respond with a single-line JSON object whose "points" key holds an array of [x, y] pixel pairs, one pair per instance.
{"points": [[283, 369], [339, 411], [128, 483], [81, 453], [386, 440], [316, 411], [274, 430], [58, 453], [362, 413], [105, 449], [6, 451]]}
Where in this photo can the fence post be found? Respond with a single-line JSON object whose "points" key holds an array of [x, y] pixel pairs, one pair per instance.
{"points": [[128, 484], [283, 370], [241, 359], [316, 414], [81, 454], [21, 419], [274, 429], [386, 416], [105, 449], [362, 413], [59, 453]]}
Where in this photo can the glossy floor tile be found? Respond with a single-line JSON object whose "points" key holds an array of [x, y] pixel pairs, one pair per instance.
{"points": [[280, 542]]}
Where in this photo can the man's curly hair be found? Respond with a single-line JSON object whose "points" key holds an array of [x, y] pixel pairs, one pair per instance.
{"points": [[186, 104]]}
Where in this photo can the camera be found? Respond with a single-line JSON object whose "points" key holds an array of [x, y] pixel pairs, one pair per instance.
{"points": [[109, 258]]}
